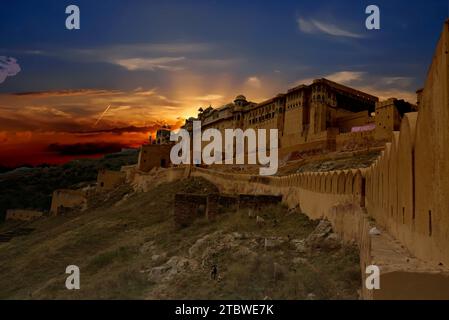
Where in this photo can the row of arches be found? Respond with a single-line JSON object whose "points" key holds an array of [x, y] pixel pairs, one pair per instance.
{"points": [[335, 182]]}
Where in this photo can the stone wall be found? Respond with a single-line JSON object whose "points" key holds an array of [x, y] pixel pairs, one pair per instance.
{"points": [[188, 207], [403, 194], [154, 155], [355, 140], [67, 199], [22, 215], [108, 179], [406, 189]]}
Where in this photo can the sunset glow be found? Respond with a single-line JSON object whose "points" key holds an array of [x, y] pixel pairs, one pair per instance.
{"points": [[115, 81]]}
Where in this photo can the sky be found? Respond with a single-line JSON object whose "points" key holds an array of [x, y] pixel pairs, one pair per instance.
{"points": [[136, 64]]}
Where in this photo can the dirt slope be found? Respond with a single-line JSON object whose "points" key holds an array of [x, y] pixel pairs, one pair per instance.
{"points": [[127, 247]]}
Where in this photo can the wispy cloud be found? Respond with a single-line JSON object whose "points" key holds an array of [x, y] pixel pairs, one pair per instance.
{"points": [[151, 64], [313, 26], [8, 68], [346, 77], [254, 82], [209, 97]]}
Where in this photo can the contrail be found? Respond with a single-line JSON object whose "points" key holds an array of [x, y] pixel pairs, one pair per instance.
{"points": [[102, 115]]}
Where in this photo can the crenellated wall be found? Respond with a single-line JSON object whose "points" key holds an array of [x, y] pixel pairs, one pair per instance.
{"points": [[404, 193]]}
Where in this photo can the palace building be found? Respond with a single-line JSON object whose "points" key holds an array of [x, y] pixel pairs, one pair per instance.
{"points": [[322, 116]]}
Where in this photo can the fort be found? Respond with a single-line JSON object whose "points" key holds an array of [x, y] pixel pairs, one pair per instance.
{"points": [[402, 194], [323, 116]]}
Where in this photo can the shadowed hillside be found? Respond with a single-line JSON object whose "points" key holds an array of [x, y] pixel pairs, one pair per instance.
{"points": [[32, 188], [127, 246]]}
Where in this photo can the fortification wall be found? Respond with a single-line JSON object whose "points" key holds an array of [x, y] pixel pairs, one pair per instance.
{"points": [[407, 188], [339, 197], [145, 181], [67, 199], [22, 215], [108, 179], [129, 172], [154, 155], [355, 140], [431, 226]]}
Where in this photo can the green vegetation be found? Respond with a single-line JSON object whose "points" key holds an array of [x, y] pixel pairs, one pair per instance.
{"points": [[32, 188]]}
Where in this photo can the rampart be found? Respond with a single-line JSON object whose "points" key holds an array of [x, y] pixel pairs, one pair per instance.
{"points": [[108, 179], [64, 200], [23, 215], [404, 194]]}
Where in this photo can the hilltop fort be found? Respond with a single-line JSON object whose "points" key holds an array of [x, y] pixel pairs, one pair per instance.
{"points": [[394, 206]]}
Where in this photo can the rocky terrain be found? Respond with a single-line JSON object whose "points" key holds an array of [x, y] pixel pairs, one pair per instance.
{"points": [[128, 247]]}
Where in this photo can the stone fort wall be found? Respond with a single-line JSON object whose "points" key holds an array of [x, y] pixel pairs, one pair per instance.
{"points": [[23, 215], [405, 192], [63, 200]]}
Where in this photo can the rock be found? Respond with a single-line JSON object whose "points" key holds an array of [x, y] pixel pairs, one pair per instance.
{"points": [[299, 260], [374, 231], [272, 243], [311, 296], [332, 241], [240, 236], [317, 237], [300, 245], [244, 253], [323, 228], [157, 257], [199, 246], [279, 271], [159, 272], [172, 267], [260, 220], [147, 247]]}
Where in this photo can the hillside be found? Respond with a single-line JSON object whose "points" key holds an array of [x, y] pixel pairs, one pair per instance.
{"points": [[32, 188], [128, 247]]}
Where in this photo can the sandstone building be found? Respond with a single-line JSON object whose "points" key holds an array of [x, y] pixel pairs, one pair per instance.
{"points": [[157, 152], [321, 116]]}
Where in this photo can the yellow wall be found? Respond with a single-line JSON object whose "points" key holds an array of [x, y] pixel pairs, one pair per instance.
{"points": [[23, 215], [67, 199]]}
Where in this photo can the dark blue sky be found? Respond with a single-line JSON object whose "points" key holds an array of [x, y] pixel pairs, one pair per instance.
{"points": [[253, 47]]}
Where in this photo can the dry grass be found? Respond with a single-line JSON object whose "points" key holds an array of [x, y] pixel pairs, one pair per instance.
{"points": [[114, 245]]}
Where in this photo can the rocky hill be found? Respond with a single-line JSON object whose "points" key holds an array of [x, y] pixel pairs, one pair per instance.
{"points": [[128, 247], [32, 187]]}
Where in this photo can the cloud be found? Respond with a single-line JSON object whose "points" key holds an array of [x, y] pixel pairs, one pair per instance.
{"points": [[402, 82], [47, 110], [386, 93], [346, 77], [312, 26], [254, 82], [90, 148], [151, 64], [8, 68], [209, 97], [67, 93]]}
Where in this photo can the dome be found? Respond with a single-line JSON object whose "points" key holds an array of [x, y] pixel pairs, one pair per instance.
{"points": [[240, 98]]}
